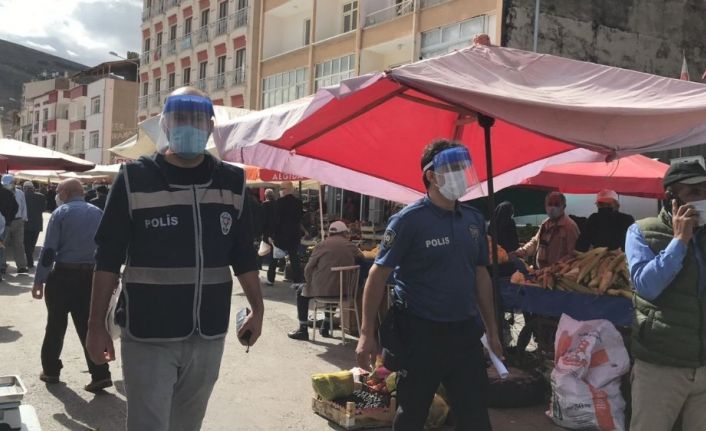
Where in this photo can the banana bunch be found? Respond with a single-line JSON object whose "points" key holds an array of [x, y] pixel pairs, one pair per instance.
{"points": [[597, 272]]}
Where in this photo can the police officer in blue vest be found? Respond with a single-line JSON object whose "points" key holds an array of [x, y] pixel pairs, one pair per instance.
{"points": [[438, 251], [178, 221]]}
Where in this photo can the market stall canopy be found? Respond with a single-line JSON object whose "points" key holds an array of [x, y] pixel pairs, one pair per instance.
{"points": [[633, 176], [144, 143], [367, 134], [104, 170], [23, 156], [261, 177], [38, 175]]}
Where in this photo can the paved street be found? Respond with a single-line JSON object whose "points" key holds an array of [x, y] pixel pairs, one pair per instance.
{"points": [[266, 389]]}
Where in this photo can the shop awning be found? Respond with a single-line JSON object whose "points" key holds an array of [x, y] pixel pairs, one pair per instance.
{"points": [[21, 156], [367, 134], [633, 176]]}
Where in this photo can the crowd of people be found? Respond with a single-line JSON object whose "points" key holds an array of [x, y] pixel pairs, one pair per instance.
{"points": [[183, 222]]}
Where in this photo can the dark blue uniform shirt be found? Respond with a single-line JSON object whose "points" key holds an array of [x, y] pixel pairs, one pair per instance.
{"points": [[435, 253]]}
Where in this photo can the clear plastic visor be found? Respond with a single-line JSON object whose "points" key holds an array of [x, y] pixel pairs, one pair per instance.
{"points": [[455, 165], [184, 111]]}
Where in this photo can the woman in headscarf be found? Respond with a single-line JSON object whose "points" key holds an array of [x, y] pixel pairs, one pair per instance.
{"points": [[507, 230]]}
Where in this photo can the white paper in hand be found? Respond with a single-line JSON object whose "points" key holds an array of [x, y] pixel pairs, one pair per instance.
{"points": [[497, 363]]}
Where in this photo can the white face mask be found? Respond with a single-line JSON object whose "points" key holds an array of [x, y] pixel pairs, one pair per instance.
{"points": [[58, 200], [455, 184], [700, 206]]}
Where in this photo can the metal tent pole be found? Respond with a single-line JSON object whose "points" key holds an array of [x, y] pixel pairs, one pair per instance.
{"points": [[321, 212], [487, 123]]}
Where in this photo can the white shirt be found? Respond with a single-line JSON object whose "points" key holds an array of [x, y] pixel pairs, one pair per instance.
{"points": [[22, 203]]}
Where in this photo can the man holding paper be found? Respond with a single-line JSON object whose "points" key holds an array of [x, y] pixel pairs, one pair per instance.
{"points": [[438, 251]]}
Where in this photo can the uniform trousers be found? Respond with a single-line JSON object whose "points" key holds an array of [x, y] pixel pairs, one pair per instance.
{"points": [[168, 383], [448, 353], [68, 291]]}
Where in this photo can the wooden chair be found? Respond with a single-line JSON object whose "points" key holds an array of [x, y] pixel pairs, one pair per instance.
{"points": [[346, 301]]}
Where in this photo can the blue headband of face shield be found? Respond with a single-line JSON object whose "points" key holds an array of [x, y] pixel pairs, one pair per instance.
{"points": [[188, 103], [451, 159]]}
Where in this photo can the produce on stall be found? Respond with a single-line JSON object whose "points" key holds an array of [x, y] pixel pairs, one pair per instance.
{"points": [[596, 272]]}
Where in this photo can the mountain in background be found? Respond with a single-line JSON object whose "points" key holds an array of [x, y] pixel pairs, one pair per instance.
{"points": [[20, 64]]}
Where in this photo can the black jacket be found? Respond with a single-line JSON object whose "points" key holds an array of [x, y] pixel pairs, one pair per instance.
{"points": [[606, 228], [288, 218], [8, 205], [36, 205], [99, 201]]}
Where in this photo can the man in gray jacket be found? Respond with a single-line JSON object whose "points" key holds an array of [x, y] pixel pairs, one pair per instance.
{"points": [[36, 205], [336, 250]]}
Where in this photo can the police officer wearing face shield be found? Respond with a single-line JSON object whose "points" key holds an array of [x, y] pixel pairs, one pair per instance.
{"points": [[438, 251], [179, 221]]}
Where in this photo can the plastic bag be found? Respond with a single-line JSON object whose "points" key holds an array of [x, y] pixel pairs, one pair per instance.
{"points": [[110, 325], [264, 249], [589, 360], [278, 253], [438, 412]]}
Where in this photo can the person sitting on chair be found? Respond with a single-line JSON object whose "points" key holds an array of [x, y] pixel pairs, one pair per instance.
{"points": [[336, 250]]}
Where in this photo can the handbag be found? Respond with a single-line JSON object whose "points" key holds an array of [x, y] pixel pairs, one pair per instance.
{"points": [[265, 248]]}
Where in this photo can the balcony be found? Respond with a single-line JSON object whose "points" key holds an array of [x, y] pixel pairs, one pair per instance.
{"points": [[219, 81], [157, 53], [389, 13], [156, 99], [220, 27], [142, 102], [239, 19], [237, 77], [203, 34], [185, 42], [146, 13], [145, 58], [202, 84], [171, 47]]}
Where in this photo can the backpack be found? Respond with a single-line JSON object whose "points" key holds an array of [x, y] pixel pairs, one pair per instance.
{"points": [[8, 205]]}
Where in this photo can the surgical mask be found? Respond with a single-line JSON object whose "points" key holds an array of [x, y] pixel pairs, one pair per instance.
{"points": [[554, 212], [455, 185], [700, 206], [58, 200], [187, 142], [9, 187]]}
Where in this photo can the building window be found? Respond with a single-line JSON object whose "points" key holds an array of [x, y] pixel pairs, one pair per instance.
{"points": [[145, 88], [36, 141], [307, 31], [157, 85], [239, 66], [158, 47], [53, 142], [204, 18], [332, 72], [187, 26], [203, 31], [157, 98], [171, 81], [186, 76], [173, 32], [221, 72], [459, 35], [147, 44], [44, 141], [350, 16], [222, 24], [93, 140], [201, 83], [96, 105], [284, 87]]}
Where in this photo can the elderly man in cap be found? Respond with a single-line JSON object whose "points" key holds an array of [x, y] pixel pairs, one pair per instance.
{"points": [[66, 267], [15, 228], [36, 205], [336, 250], [667, 261], [607, 227]]}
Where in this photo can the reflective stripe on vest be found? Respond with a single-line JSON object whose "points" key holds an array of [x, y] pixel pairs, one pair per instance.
{"points": [[176, 276]]}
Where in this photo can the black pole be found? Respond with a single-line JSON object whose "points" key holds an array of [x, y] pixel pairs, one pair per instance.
{"points": [[486, 123]]}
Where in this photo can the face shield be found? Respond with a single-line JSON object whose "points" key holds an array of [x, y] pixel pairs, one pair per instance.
{"points": [[454, 172], [186, 123]]}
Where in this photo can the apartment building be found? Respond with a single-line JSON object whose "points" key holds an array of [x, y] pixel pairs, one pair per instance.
{"points": [[82, 116], [203, 43], [309, 44]]}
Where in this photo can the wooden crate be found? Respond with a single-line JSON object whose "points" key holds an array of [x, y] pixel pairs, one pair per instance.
{"points": [[349, 418]]}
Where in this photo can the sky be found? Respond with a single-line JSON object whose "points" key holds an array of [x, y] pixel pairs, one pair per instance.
{"points": [[84, 31]]}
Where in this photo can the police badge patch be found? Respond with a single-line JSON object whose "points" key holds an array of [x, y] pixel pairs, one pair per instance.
{"points": [[475, 231], [388, 238], [226, 222]]}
